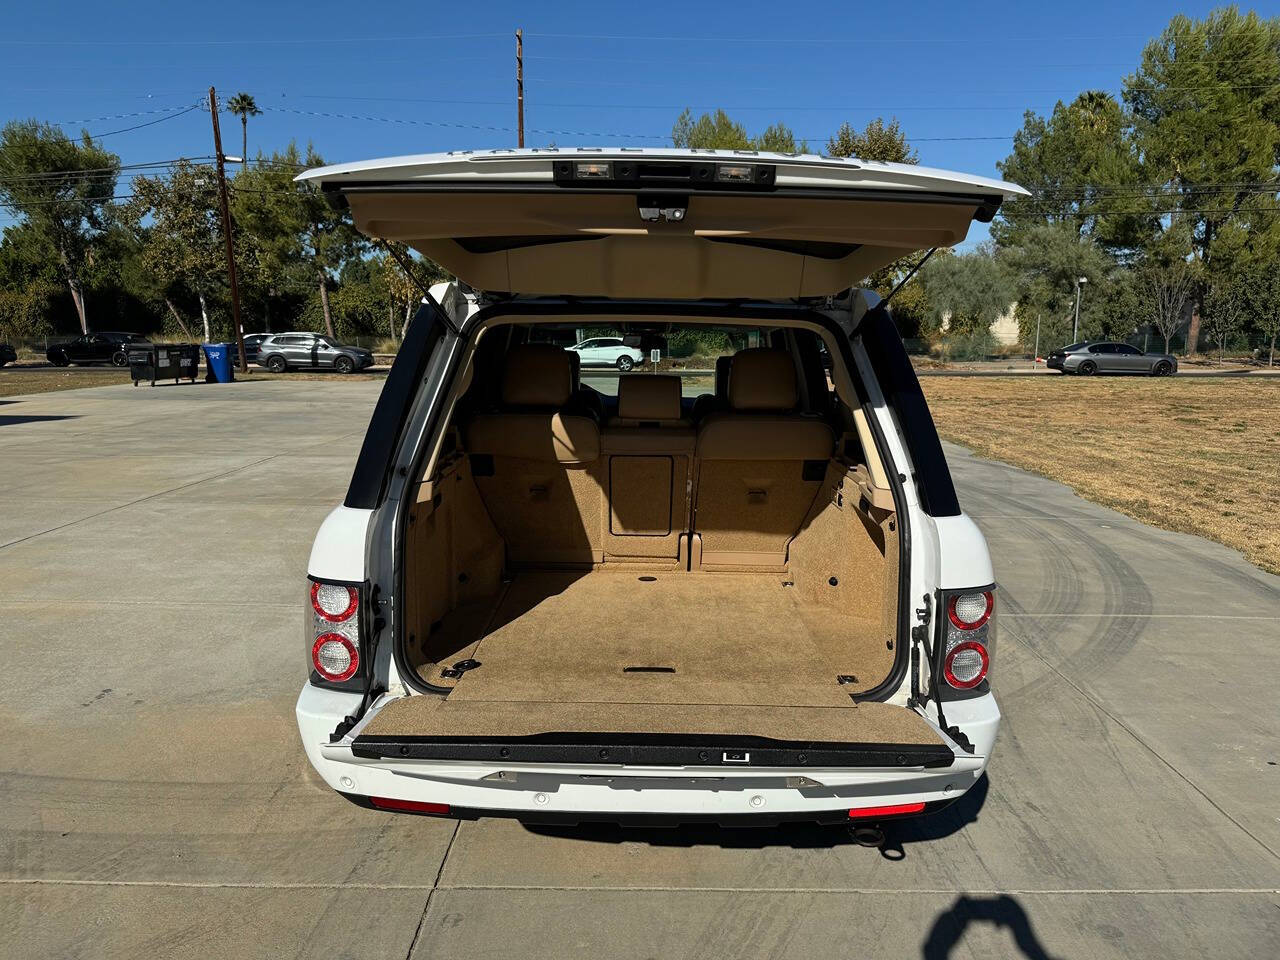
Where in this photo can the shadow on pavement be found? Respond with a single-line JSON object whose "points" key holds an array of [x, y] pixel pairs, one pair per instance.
{"points": [[7, 421], [1002, 911], [797, 836]]}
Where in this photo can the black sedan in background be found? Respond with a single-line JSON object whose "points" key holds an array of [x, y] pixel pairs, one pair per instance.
{"points": [[1087, 358], [7, 354], [106, 347]]}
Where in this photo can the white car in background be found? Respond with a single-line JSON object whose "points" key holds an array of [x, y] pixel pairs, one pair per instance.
{"points": [[608, 352]]}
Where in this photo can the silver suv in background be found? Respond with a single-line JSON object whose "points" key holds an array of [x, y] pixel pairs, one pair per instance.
{"points": [[1087, 358], [283, 351]]}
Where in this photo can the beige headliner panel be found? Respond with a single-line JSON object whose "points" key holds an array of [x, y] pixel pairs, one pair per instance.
{"points": [[620, 256]]}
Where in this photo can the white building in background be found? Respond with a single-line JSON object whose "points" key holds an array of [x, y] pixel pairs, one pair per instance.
{"points": [[1004, 329]]}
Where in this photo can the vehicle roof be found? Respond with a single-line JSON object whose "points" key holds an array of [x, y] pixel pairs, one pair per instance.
{"points": [[529, 165]]}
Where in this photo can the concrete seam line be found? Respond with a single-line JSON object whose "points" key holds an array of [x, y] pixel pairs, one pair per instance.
{"points": [[435, 885], [151, 496], [162, 493], [1131, 616], [886, 891], [1148, 747]]}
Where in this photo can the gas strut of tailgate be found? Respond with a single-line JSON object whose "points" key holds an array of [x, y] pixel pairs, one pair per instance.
{"points": [[921, 634], [426, 291], [911, 273]]}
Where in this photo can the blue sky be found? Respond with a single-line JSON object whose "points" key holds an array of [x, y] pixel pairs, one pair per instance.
{"points": [[595, 73]]}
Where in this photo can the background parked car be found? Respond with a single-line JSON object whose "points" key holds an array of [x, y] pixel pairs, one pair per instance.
{"points": [[7, 354], [1110, 357], [252, 341], [282, 351], [608, 352], [105, 347]]}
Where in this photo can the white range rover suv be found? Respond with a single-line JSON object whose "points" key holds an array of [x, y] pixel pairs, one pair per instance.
{"points": [[753, 600]]}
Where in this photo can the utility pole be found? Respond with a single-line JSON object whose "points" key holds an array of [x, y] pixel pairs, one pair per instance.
{"points": [[226, 228], [520, 87], [1037, 353], [1075, 328]]}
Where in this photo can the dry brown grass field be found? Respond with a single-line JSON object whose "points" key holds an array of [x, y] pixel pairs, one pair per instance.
{"points": [[1196, 455]]}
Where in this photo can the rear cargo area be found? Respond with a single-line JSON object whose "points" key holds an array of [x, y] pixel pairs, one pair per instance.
{"points": [[639, 570]]}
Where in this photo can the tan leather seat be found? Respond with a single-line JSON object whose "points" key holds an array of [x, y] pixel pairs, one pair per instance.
{"points": [[537, 463], [649, 449], [759, 465]]}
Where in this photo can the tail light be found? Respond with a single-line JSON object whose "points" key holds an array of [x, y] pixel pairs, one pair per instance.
{"points": [[890, 810], [410, 806], [969, 639], [334, 633]]}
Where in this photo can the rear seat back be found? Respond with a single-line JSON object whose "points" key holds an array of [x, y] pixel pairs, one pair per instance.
{"points": [[536, 461], [760, 465], [649, 450]]}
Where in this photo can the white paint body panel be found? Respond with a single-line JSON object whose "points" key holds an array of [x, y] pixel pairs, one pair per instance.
{"points": [[624, 790], [338, 552], [964, 558], [529, 165]]}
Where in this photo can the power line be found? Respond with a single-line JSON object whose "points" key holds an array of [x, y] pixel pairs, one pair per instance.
{"points": [[861, 42], [247, 41], [112, 133]]}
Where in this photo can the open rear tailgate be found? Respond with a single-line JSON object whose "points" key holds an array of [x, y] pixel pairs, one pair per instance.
{"points": [[647, 223]]}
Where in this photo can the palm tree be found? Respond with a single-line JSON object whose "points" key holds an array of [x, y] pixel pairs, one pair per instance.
{"points": [[244, 106]]}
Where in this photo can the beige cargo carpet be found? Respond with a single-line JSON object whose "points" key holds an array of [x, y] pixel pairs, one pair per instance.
{"points": [[660, 652]]}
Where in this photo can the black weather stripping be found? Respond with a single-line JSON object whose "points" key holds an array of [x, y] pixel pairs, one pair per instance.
{"points": [[654, 750]]}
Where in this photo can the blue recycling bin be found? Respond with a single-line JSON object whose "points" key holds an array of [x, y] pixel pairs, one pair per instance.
{"points": [[217, 358]]}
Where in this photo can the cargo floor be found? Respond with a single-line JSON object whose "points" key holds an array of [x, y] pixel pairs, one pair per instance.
{"points": [[622, 636], [618, 650]]}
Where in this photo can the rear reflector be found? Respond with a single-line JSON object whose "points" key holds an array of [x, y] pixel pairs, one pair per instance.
{"points": [[412, 806], [861, 813]]}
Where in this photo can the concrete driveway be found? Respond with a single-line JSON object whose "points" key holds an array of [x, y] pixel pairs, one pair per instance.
{"points": [[154, 800]]}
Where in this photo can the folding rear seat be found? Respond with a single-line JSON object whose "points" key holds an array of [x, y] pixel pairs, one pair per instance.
{"points": [[759, 466], [649, 450], [536, 461]]}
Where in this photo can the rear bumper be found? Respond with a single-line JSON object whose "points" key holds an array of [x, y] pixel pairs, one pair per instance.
{"points": [[617, 792]]}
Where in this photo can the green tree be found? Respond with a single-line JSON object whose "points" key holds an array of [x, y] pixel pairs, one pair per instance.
{"points": [[177, 221], [1046, 263], [709, 132], [967, 292], [1082, 169], [718, 131], [1224, 308], [244, 106], [1205, 101], [292, 226], [62, 188], [878, 141]]}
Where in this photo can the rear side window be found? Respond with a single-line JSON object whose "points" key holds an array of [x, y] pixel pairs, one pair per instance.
{"points": [[902, 391], [369, 480]]}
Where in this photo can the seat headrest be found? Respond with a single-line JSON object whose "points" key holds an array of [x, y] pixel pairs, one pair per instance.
{"points": [[723, 365], [648, 397], [537, 375], [762, 378]]}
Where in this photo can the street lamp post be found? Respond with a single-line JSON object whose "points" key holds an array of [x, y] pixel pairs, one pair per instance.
{"points": [[1075, 329]]}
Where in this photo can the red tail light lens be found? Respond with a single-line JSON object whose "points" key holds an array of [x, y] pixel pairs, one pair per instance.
{"points": [[335, 657], [968, 639], [334, 602], [893, 809], [410, 806], [966, 665], [334, 633], [969, 611]]}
